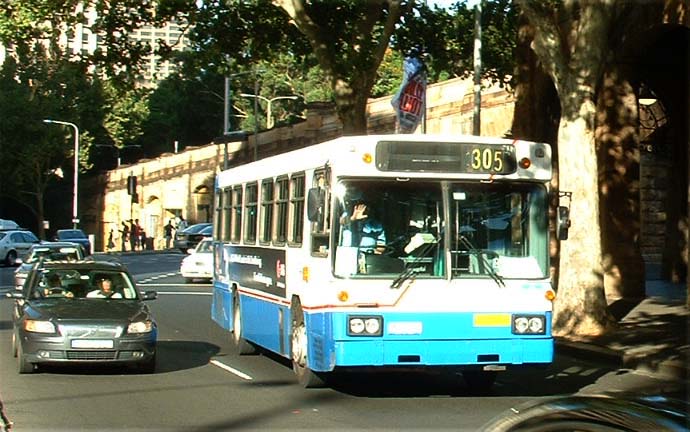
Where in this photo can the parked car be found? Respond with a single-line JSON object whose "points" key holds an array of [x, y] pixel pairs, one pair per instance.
{"points": [[15, 243], [74, 236], [82, 312], [46, 251], [622, 412], [192, 235], [199, 263]]}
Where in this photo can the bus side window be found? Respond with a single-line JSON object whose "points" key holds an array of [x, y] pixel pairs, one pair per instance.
{"points": [[318, 212]]}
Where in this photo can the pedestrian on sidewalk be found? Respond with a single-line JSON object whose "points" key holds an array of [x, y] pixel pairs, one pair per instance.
{"points": [[111, 243], [133, 234], [124, 235], [168, 230]]}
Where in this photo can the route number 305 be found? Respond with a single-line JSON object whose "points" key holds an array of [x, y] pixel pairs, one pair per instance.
{"points": [[487, 160]]}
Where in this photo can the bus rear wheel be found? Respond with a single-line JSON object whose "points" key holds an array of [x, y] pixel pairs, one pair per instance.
{"points": [[244, 347], [299, 344]]}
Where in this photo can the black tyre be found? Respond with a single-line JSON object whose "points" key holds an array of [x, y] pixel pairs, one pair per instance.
{"points": [[244, 347], [299, 344], [14, 345], [23, 365], [148, 366], [11, 258]]}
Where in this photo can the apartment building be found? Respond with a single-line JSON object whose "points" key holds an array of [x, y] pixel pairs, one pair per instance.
{"points": [[82, 40]]}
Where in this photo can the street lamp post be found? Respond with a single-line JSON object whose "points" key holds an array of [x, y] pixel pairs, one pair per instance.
{"points": [[75, 192], [269, 102]]}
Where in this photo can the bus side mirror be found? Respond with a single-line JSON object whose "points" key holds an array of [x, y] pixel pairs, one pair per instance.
{"points": [[562, 222], [316, 201]]}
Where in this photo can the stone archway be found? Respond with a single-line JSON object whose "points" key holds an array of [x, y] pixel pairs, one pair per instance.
{"points": [[662, 79], [203, 199]]}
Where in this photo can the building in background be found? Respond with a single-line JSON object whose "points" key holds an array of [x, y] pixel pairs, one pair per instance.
{"points": [[81, 40]]}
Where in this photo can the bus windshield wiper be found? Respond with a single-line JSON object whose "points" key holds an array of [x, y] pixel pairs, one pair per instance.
{"points": [[408, 273], [485, 262]]}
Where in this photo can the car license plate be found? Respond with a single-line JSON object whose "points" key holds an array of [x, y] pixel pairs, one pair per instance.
{"points": [[92, 343]]}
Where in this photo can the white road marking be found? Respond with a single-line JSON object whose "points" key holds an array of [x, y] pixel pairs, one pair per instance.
{"points": [[231, 370]]}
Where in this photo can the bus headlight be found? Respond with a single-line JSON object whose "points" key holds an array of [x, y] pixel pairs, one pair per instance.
{"points": [[529, 324], [364, 325]]}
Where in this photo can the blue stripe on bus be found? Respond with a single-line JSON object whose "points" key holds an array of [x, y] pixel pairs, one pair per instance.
{"points": [[446, 339]]}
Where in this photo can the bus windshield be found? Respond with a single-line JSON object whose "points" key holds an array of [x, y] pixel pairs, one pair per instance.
{"points": [[385, 228]]}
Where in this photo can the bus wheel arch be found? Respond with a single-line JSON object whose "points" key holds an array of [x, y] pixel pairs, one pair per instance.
{"points": [[244, 347], [299, 346]]}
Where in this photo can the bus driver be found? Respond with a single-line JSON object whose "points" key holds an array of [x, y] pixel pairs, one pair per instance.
{"points": [[363, 230]]}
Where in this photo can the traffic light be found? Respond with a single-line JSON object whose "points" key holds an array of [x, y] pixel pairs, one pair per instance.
{"points": [[132, 186], [135, 198]]}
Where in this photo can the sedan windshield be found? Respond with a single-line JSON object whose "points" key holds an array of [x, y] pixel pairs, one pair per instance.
{"points": [[83, 284], [53, 254]]}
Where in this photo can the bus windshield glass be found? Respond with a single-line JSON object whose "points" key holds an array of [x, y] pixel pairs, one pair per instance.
{"points": [[498, 229], [386, 228]]}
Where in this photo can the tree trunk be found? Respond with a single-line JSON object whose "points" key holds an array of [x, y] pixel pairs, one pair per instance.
{"points": [[618, 148], [351, 105], [580, 306]]}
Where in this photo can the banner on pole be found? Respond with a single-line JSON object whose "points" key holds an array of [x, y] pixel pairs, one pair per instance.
{"points": [[409, 102]]}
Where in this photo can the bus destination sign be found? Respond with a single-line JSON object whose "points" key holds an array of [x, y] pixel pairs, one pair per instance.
{"points": [[451, 157]]}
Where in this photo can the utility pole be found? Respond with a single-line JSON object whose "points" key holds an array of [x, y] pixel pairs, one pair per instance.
{"points": [[476, 119]]}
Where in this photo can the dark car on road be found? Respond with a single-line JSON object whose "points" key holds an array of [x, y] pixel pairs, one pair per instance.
{"points": [[614, 412], [74, 236], [82, 312], [46, 251], [192, 235]]}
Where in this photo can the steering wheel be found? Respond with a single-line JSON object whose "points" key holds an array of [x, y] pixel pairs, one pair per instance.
{"points": [[58, 292]]}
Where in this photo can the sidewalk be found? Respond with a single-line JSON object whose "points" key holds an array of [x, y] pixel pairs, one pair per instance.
{"points": [[652, 338]]}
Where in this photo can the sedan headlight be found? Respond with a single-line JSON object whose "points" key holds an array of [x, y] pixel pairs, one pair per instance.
{"points": [[364, 325], [36, 326], [140, 327], [529, 324]]}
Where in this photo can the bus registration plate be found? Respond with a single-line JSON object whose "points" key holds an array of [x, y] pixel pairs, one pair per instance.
{"points": [[405, 328]]}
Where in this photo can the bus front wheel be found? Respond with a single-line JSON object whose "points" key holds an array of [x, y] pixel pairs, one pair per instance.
{"points": [[244, 347], [299, 347]]}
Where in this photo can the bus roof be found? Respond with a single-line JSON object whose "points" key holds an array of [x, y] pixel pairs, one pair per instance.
{"points": [[347, 155]]}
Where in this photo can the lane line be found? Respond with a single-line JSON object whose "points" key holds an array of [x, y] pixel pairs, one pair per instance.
{"points": [[231, 370]]}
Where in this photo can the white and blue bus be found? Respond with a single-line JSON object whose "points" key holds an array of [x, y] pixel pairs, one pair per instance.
{"points": [[383, 252]]}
